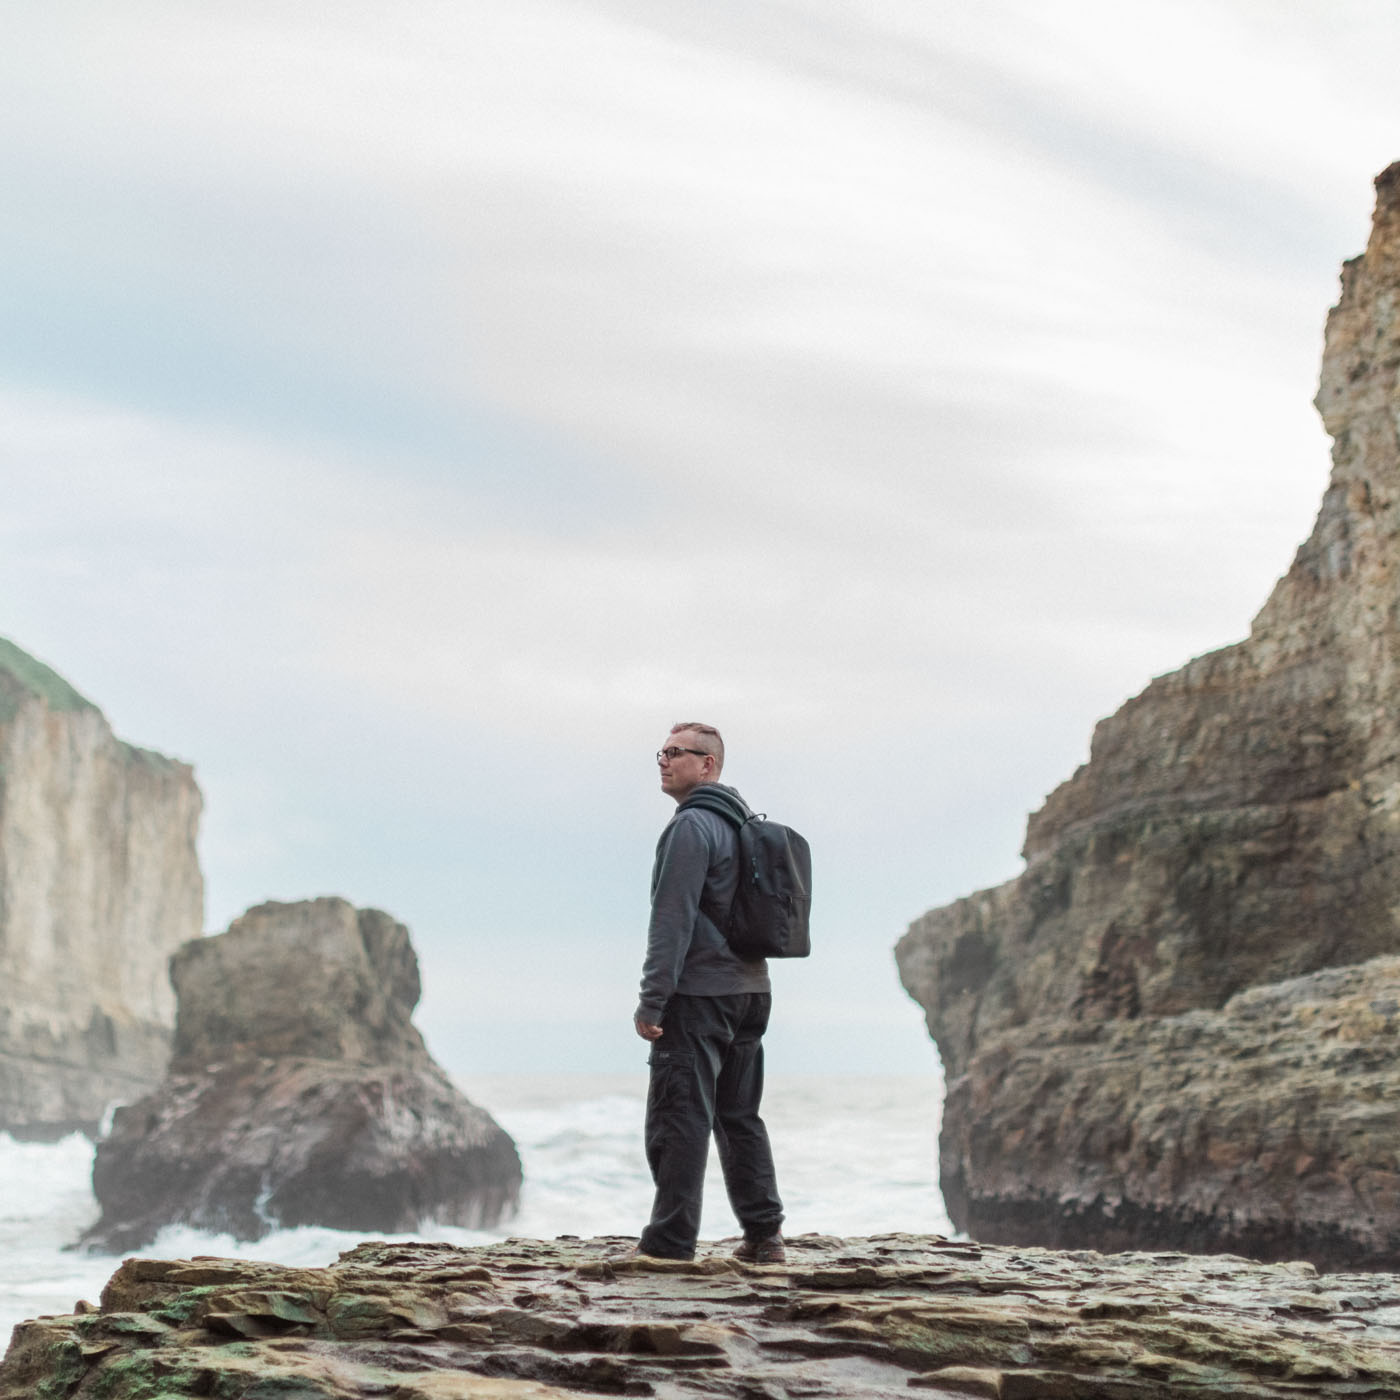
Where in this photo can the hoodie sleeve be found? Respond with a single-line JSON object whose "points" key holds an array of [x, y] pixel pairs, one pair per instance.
{"points": [[682, 862]]}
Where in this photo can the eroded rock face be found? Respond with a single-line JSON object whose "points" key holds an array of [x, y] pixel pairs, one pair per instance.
{"points": [[1267, 1128], [1237, 824], [300, 1093], [861, 1319], [99, 884]]}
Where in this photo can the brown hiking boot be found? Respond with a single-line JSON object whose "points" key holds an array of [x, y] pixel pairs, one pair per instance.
{"points": [[765, 1251]]}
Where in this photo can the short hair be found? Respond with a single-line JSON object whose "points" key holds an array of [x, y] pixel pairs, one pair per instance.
{"points": [[712, 743]]}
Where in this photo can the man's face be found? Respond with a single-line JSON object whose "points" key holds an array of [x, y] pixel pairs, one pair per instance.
{"points": [[681, 775]]}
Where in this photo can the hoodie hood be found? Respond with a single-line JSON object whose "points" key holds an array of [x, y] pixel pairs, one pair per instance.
{"points": [[721, 799]]}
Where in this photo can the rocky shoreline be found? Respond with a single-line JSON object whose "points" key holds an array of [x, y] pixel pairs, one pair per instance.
{"points": [[844, 1319]]}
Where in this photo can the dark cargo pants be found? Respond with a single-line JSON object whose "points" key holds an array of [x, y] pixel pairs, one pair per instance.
{"points": [[707, 1076]]}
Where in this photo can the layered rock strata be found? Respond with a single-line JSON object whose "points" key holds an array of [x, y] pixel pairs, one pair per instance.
{"points": [[1267, 1128], [99, 884], [300, 1093], [1237, 825], [864, 1319]]}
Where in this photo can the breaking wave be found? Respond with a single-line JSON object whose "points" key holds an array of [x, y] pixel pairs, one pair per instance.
{"points": [[856, 1155]]}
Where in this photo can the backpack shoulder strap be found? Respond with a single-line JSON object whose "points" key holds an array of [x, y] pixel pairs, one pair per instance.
{"points": [[713, 802], [721, 806]]}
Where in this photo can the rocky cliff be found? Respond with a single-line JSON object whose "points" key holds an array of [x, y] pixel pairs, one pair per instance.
{"points": [[1237, 826], [864, 1319], [99, 883], [300, 1093]]}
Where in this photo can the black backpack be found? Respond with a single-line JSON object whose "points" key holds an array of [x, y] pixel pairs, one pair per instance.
{"points": [[772, 905]]}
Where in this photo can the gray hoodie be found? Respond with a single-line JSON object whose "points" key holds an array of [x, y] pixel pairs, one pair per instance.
{"points": [[686, 952]]}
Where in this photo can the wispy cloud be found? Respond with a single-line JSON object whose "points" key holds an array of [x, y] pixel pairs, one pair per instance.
{"points": [[406, 414]]}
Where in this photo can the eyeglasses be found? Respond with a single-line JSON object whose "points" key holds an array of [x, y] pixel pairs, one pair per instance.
{"points": [[673, 753]]}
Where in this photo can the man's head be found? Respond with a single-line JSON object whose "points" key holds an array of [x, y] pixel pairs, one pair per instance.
{"points": [[692, 754]]}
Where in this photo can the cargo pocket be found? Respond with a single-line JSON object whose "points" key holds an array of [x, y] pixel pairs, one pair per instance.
{"points": [[671, 1073], [669, 1094]]}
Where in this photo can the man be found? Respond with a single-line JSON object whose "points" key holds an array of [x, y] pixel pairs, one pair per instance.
{"points": [[704, 1010]]}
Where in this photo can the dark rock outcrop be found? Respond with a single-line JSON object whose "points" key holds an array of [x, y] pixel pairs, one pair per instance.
{"points": [[300, 1093], [1237, 825], [843, 1320], [99, 884], [1267, 1128]]}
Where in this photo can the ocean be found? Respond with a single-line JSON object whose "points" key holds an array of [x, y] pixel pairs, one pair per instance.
{"points": [[856, 1155]]}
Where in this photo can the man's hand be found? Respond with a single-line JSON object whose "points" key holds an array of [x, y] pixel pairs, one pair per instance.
{"points": [[647, 1031]]}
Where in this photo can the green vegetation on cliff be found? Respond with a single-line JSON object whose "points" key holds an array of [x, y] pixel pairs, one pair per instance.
{"points": [[21, 674]]}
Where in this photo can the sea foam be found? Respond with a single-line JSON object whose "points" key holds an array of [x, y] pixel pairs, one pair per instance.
{"points": [[856, 1155]]}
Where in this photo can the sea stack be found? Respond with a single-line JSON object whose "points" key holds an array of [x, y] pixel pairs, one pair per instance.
{"points": [[1179, 1027], [99, 884], [300, 1093]]}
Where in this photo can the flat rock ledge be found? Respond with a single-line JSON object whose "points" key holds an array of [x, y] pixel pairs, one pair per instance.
{"points": [[532, 1319]]}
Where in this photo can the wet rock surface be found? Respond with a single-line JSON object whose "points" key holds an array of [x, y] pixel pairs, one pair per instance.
{"points": [[1237, 827], [885, 1316], [300, 1093]]}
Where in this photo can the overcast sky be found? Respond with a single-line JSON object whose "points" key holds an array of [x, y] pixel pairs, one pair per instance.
{"points": [[408, 411]]}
